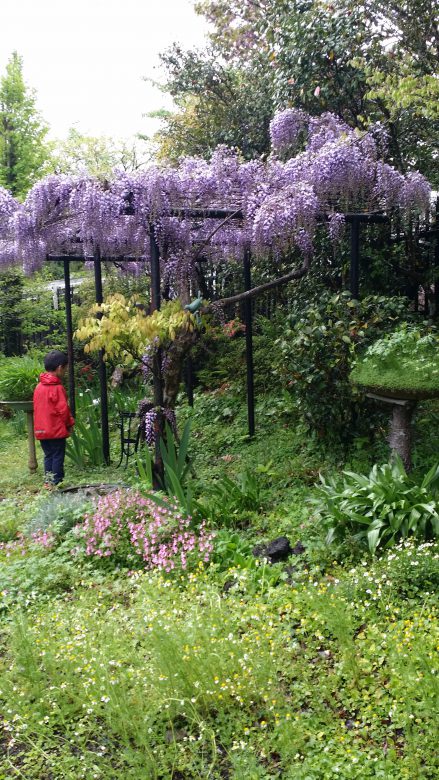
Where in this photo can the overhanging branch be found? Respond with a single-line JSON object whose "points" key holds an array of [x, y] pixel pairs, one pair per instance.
{"points": [[215, 230], [298, 273]]}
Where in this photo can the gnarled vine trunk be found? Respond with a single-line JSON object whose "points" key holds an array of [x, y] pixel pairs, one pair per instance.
{"points": [[174, 366]]}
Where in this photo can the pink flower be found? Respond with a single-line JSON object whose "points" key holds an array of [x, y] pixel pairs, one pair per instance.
{"points": [[127, 523]]}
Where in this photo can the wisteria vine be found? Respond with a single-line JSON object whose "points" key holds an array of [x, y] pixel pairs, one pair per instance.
{"points": [[319, 167]]}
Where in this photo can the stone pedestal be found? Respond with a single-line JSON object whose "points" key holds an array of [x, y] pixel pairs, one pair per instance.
{"points": [[400, 434]]}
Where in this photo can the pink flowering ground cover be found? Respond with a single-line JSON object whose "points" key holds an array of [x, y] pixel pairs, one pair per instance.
{"points": [[22, 544], [127, 526]]}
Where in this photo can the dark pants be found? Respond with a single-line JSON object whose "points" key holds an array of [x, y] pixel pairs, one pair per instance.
{"points": [[54, 453]]}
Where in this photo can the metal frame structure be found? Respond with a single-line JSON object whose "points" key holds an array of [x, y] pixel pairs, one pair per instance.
{"points": [[355, 220], [102, 371]]}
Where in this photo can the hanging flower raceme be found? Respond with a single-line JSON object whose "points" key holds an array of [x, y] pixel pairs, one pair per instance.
{"points": [[341, 173], [286, 218], [152, 420], [388, 185], [336, 226], [8, 208], [276, 204], [286, 127], [324, 129], [415, 193]]}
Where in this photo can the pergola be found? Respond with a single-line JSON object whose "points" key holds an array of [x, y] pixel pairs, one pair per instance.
{"points": [[355, 220]]}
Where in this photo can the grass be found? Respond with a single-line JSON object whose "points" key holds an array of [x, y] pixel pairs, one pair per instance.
{"points": [[321, 669], [15, 473]]}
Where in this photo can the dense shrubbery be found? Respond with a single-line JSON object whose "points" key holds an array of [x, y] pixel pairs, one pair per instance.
{"points": [[41, 324], [220, 356], [28, 318], [11, 292], [317, 349]]}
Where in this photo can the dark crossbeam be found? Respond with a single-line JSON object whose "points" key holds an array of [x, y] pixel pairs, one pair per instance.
{"points": [[101, 365], [84, 259]]}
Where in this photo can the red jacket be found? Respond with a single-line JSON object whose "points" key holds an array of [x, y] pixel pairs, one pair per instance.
{"points": [[52, 416]]}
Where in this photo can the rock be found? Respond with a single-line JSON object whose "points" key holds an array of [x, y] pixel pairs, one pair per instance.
{"points": [[298, 549], [289, 572], [277, 550]]}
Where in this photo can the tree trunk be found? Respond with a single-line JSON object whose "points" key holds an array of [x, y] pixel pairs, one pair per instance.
{"points": [[400, 435], [158, 472], [174, 366]]}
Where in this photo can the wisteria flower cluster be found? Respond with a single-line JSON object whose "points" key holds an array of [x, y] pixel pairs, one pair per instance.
{"points": [[274, 204], [287, 217], [150, 420], [286, 128], [128, 526], [336, 225]]}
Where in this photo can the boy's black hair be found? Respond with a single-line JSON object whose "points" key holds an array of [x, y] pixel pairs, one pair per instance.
{"points": [[54, 359]]}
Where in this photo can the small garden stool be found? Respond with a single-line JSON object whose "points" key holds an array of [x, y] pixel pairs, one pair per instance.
{"points": [[129, 440]]}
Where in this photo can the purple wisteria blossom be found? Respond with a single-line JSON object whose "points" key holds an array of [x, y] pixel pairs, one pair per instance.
{"points": [[8, 205], [342, 173], [276, 203], [8, 208], [336, 226], [287, 217], [388, 185], [325, 128], [286, 127], [150, 419], [415, 193]]}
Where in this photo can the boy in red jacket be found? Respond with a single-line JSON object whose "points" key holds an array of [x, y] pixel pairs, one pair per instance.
{"points": [[53, 420]]}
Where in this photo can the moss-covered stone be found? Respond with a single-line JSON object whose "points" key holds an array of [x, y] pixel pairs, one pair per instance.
{"points": [[403, 365]]}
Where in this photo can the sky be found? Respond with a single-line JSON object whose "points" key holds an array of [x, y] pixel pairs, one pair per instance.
{"points": [[86, 59]]}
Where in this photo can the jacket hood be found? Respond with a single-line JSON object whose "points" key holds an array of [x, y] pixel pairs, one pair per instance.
{"points": [[49, 379]]}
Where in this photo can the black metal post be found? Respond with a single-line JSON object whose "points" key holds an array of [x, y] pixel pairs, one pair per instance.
{"points": [[157, 360], [69, 329], [354, 277], [249, 345], [155, 270], [101, 368], [436, 262]]}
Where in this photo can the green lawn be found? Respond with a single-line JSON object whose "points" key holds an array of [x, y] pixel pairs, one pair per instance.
{"points": [[321, 668]]}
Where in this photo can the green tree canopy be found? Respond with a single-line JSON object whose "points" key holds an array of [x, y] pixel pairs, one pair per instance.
{"points": [[369, 62], [96, 155], [217, 102], [23, 150]]}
